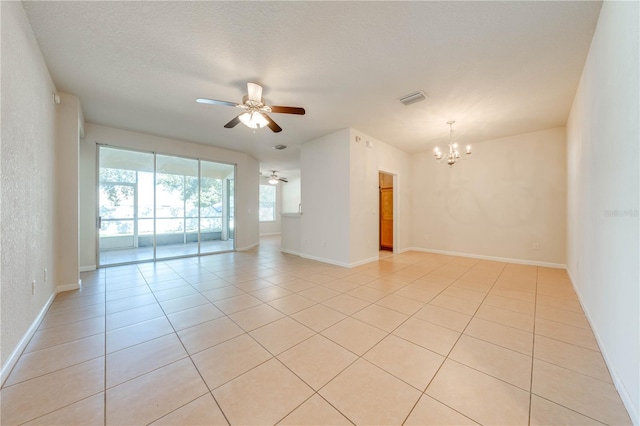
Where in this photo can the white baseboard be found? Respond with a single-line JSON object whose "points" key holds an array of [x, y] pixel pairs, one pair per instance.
{"points": [[620, 387], [270, 234], [364, 261], [248, 247], [334, 262], [67, 287], [88, 268], [291, 252], [17, 351], [494, 258]]}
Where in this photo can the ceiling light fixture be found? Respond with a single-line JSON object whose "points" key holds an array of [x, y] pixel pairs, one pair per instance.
{"points": [[453, 155], [273, 180], [253, 120]]}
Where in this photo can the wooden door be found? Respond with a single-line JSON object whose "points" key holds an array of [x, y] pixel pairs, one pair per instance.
{"points": [[386, 212]]}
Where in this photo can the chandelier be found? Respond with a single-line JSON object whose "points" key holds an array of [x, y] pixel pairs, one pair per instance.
{"points": [[453, 155]]}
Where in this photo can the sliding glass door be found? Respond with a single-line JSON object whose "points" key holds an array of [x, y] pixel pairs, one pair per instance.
{"points": [[154, 206]]}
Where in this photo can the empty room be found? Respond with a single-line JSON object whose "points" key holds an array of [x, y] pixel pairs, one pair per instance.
{"points": [[320, 213]]}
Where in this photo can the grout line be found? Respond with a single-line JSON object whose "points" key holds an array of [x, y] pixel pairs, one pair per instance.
{"points": [[533, 348]]}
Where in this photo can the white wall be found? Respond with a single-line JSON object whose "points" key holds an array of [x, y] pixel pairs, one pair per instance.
{"points": [[509, 194], [291, 194], [247, 177], [270, 228], [368, 157], [27, 185], [324, 225], [603, 187]]}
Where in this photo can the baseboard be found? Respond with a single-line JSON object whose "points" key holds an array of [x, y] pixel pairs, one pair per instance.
{"points": [[622, 390], [494, 258], [364, 261], [88, 268], [248, 247], [291, 252], [68, 287], [335, 262], [13, 358], [270, 234]]}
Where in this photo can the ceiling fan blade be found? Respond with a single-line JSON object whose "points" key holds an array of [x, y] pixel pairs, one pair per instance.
{"points": [[283, 180], [233, 123], [215, 102], [288, 110], [254, 92], [272, 124]]}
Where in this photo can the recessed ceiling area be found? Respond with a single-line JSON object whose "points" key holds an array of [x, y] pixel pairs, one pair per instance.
{"points": [[497, 68]]}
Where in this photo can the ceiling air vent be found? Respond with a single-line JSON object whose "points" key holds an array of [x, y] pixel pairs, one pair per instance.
{"points": [[279, 147], [413, 98]]}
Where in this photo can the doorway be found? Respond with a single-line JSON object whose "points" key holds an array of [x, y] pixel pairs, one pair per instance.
{"points": [[385, 185]]}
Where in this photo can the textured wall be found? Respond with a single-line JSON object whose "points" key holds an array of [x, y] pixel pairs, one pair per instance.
{"points": [[510, 194], [27, 167], [603, 195]]}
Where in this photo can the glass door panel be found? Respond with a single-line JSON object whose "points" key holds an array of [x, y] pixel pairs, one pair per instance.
{"points": [[215, 235], [177, 204], [119, 194]]}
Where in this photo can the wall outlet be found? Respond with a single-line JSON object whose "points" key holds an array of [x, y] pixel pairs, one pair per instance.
{"points": [[33, 287], [535, 246]]}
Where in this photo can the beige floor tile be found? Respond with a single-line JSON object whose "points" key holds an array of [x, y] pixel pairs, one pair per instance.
{"points": [[208, 334], [575, 319], [297, 285], [429, 412], [341, 285], [591, 397], [464, 306], [317, 360], [383, 318], [129, 303], [149, 397], [237, 303], [222, 293], [346, 304], [194, 316], [318, 293], [581, 360], [255, 317], [443, 317], [228, 360], [318, 317], [368, 294], [315, 411], [185, 302], [354, 335], [400, 304], [319, 278], [545, 413], [520, 306], [89, 411], [65, 333], [271, 293], [417, 294], [501, 335], [68, 316], [262, 396], [506, 317], [33, 398], [513, 294], [282, 334], [134, 334], [133, 316], [281, 278], [140, 359], [202, 411], [463, 293], [575, 335], [567, 304], [210, 284], [61, 304], [431, 336], [473, 284], [291, 304], [38, 363], [365, 394], [505, 364], [405, 360], [480, 397]]}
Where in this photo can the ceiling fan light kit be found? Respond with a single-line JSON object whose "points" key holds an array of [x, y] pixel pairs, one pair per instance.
{"points": [[274, 179], [255, 115], [453, 155]]}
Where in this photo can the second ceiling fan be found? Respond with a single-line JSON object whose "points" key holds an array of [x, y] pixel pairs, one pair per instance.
{"points": [[255, 110]]}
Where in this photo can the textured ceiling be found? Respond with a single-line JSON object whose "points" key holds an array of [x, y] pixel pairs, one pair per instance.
{"points": [[497, 68]]}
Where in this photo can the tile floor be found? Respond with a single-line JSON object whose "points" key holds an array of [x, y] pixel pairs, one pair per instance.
{"points": [[264, 338]]}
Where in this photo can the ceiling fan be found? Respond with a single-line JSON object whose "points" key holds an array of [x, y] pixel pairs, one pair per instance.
{"points": [[255, 111], [273, 179]]}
